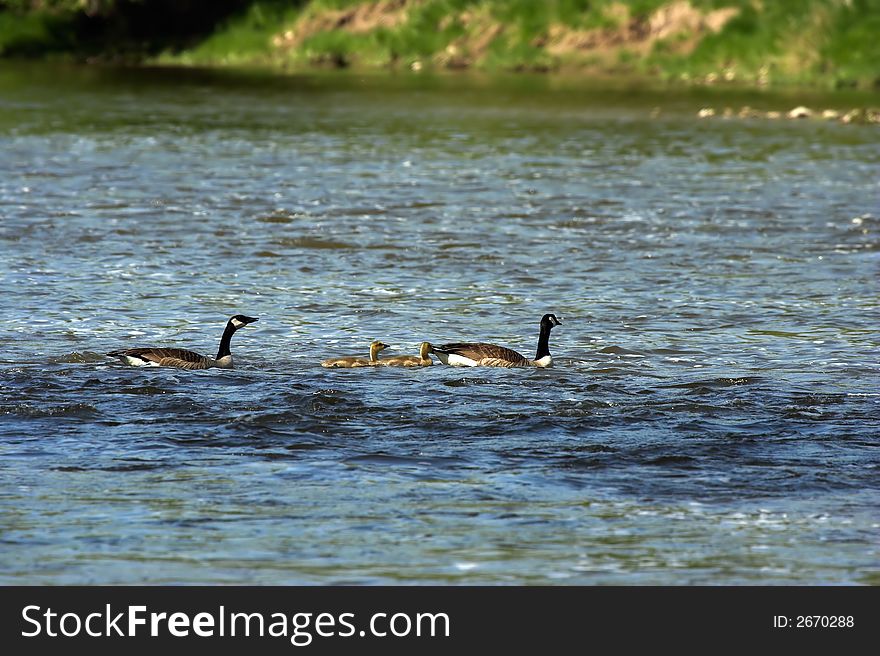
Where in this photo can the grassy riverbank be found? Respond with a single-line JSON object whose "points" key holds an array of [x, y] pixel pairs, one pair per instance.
{"points": [[828, 43]]}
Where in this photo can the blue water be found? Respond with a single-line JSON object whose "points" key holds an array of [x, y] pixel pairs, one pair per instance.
{"points": [[713, 416]]}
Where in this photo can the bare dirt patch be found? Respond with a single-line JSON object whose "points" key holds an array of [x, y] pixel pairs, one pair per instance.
{"points": [[360, 19], [679, 23]]}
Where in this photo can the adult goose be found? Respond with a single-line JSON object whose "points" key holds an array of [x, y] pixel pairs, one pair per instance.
{"points": [[182, 358], [479, 354], [375, 347], [423, 359]]}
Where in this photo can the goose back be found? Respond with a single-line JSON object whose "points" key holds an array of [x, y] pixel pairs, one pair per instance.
{"points": [[481, 354], [167, 357]]}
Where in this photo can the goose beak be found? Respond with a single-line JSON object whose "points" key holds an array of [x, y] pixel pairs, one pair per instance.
{"points": [[250, 319]]}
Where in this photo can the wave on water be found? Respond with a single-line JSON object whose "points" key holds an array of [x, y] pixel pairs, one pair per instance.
{"points": [[619, 350], [65, 410], [467, 382], [720, 356], [312, 242], [127, 467], [145, 390], [715, 383], [77, 357]]}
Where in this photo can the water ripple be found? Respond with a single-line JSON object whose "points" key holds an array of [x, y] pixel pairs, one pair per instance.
{"points": [[711, 416]]}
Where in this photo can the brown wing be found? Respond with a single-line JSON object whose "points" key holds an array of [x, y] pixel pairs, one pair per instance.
{"points": [[185, 364], [508, 364], [479, 351], [167, 357]]}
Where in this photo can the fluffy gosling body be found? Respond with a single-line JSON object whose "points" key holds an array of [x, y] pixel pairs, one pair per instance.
{"points": [[347, 362], [423, 359]]}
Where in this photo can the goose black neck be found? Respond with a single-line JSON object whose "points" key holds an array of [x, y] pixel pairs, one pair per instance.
{"points": [[224, 341], [543, 341]]}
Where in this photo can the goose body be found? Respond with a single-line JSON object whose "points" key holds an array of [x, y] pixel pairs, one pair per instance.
{"points": [[353, 361], [423, 359], [481, 354], [184, 358]]}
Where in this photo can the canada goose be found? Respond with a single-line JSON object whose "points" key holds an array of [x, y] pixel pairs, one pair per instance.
{"points": [[375, 347], [489, 355], [182, 358], [423, 359]]}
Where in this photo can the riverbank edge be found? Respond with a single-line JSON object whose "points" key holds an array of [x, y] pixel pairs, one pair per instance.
{"points": [[663, 45]]}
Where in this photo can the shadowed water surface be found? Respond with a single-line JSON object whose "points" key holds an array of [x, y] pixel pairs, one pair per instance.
{"points": [[712, 416]]}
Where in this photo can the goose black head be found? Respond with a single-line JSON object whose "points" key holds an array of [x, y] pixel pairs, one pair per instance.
{"points": [[240, 320], [550, 320]]}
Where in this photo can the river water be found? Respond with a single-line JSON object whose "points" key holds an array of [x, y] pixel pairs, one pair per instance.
{"points": [[712, 417]]}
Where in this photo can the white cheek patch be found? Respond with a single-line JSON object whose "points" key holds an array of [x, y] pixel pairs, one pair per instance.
{"points": [[237, 323]]}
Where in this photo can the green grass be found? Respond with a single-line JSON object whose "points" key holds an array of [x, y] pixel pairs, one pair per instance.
{"points": [[754, 39], [246, 36], [853, 46], [823, 42], [426, 32], [815, 42], [34, 34]]}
